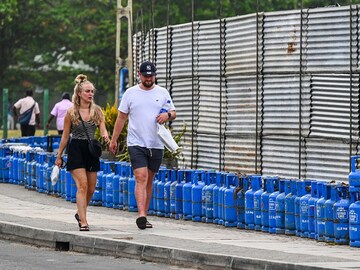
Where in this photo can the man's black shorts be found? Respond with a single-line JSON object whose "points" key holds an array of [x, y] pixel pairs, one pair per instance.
{"points": [[145, 157]]}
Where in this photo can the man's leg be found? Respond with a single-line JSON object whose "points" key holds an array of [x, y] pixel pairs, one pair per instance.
{"points": [[141, 192], [149, 188]]}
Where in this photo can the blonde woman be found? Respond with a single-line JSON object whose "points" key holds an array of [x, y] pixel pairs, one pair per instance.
{"points": [[82, 166]]}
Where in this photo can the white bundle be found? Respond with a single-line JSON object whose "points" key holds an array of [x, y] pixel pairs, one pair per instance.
{"points": [[54, 175], [167, 139]]}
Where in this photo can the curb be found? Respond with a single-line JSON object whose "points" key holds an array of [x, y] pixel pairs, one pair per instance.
{"points": [[130, 250]]}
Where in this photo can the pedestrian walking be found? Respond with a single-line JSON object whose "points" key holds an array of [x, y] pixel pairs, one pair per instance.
{"points": [[29, 114], [145, 105], [59, 111], [81, 121]]}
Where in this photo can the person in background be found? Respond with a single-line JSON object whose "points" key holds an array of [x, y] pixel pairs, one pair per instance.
{"points": [[82, 166], [23, 105], [145, 104], [59, 111]]}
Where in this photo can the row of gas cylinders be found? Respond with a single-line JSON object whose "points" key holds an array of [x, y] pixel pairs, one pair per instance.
{"points": [[324, 211]]}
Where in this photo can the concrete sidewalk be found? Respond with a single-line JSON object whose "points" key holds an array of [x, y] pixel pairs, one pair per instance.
{"points": [[40, 219]]}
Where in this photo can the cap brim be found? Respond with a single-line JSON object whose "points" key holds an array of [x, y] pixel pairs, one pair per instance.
{"points": [[148, 73]]}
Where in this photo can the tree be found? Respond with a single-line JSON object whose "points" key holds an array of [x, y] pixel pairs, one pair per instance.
{"points": [[41, 41]]}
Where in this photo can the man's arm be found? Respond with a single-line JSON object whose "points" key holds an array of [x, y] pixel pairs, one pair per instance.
{"points": [[119, 124]]}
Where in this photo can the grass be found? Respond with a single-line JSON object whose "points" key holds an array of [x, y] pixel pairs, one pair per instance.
{"points": [[15, 133]]}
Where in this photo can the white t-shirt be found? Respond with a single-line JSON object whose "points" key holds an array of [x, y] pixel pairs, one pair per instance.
{"points": [[26, 103], [142, 107]]}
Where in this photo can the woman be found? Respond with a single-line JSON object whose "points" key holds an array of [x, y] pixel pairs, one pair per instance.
{"points": [[82, 166]]}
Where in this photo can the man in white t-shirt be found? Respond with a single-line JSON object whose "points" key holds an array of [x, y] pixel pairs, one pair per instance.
{"points": [[145, 105], [24, 104]]}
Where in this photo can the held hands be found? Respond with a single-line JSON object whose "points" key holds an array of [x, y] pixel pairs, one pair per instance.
{"points": [[113, 146]]}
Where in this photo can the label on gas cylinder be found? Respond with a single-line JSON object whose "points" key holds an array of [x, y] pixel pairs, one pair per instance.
{"points": [[341, 213], [353, 216]]}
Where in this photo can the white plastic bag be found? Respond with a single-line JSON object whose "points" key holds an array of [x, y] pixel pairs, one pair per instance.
{"points": [[54, 175], [167, 139]]}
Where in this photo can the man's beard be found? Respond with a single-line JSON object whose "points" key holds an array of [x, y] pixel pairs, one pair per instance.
{"points": [[148, 84]]}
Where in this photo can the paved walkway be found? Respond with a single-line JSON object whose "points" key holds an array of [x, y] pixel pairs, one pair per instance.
{"points": [[40, 219]]}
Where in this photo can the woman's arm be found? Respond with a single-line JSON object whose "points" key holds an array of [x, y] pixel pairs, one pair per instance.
{"points": [[64, 139]]}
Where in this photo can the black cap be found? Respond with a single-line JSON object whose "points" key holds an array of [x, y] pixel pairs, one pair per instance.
{"points": [[148, 69]]}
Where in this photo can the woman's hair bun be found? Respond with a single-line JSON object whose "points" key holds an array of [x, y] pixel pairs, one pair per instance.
{"points": [[80, 78]]}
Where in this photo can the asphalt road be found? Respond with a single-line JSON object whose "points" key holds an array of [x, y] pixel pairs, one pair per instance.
{"points": [[25, 257]]}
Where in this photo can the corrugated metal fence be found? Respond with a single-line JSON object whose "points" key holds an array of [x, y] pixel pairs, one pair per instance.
{"points": [[272, 93]]}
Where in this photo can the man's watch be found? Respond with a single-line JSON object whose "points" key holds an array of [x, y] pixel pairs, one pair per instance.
{"points": [[169, 115]]}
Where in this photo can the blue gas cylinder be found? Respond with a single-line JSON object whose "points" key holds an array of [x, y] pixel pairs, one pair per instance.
{"points": [[167, 192], [221, 200], [196, 196], [182, 174], [124, 178], [320, 213], [106, 170], [73, 189], [40, 172], [316, 193], [5, 165], [22, 168], [115, 184], [354, 176], [280, 208], [110, 186], [186, 194], [27, 176], [97, 196], [153, 201], [257, 206], [290, 195], [302, 188], [329, 213], [230, 211], [272, 206], [62, 179], [341, 216], [255, 182], [48, 187], [269, 185], [304, 210], [125, 188], [208, 193], [131, 183], [173, 193], [354, 214], [219, 183], [243, 186], [160, 202], [13, 167], [203, 195], [33, 172]]}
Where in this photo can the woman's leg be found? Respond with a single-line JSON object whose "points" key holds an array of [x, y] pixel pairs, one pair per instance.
{"points": [[80, 178], [91, 176]]}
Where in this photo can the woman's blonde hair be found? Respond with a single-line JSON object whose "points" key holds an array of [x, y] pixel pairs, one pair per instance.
{"points": [[95, 111]]}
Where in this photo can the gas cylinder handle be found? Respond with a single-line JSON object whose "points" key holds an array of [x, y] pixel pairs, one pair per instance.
{"points": [[353, 163]]}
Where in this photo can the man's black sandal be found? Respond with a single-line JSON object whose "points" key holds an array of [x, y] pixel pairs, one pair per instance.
{"points": [[141, 223], [148, 225]]}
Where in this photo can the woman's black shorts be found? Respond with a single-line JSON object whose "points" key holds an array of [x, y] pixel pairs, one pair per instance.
{"points": [[79, 156]]}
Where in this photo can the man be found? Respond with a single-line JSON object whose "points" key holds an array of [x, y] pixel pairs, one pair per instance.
{"points": [[141, 104], [23, 105], [59, 111]]}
